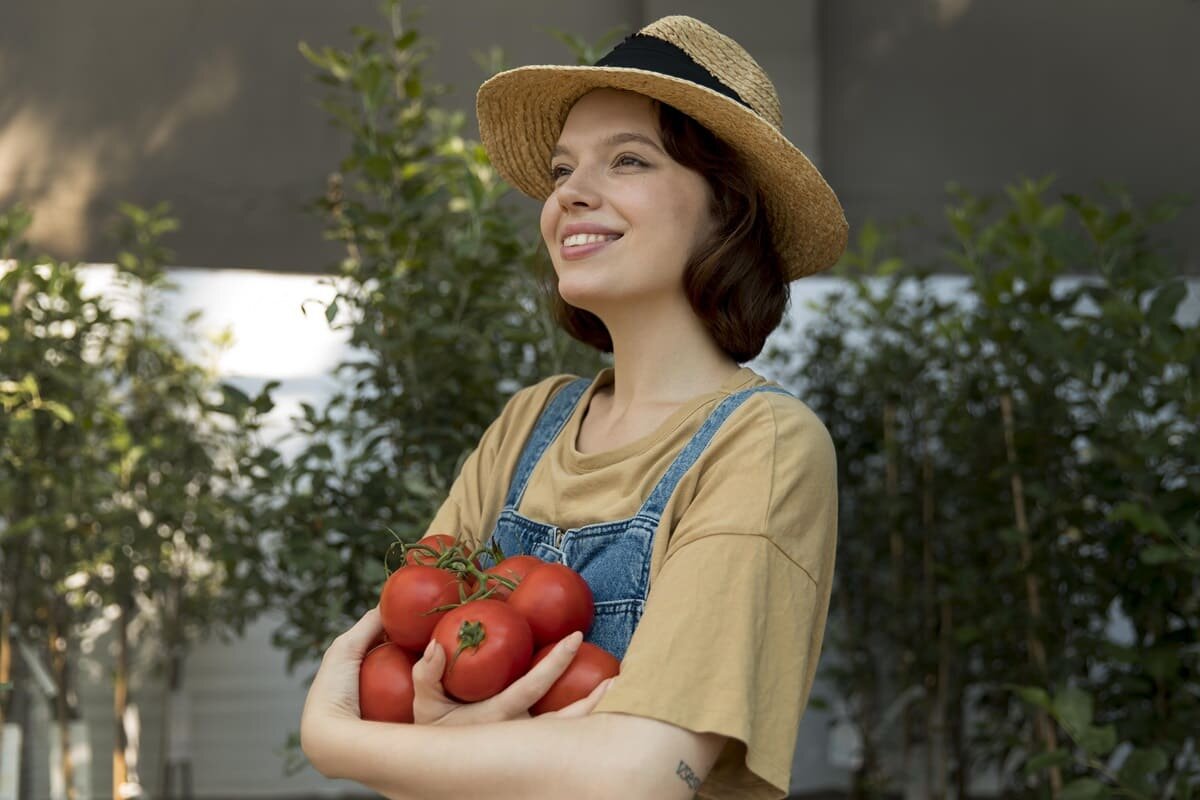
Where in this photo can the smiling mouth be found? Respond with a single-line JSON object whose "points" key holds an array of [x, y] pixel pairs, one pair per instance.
{"points": [[583, 245]]}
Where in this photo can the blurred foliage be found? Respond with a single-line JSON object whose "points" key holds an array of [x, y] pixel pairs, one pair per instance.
{"points": [[127, 472], [439, 298], [586, 51], [1020, 499]]}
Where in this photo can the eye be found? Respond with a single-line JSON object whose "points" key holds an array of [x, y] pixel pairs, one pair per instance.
{"points": [[558, 172], [629, 160]]}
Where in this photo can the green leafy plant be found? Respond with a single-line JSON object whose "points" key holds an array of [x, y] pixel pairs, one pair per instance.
{"points": [[126, 471], [439, 297], [1129, 771], [1013, 460]]}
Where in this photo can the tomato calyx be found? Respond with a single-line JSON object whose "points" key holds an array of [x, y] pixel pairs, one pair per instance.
{"points": [[471, 634]]}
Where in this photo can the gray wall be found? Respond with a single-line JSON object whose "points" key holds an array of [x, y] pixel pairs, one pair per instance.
{"points": [[208, 104], [916, 93]]}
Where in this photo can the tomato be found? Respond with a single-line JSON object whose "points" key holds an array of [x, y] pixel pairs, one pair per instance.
{"points": [[515, 568], [385, 685], [439, 543], [556, 601], [591, 666], [487, 646], [408, 599]]}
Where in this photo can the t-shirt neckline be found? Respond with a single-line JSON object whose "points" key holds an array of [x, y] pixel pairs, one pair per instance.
{"points": [[590, 461]]}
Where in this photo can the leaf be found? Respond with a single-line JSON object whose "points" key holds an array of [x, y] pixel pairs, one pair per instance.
{"points": [[1145, 521], [889, 266], [1160, 554], [405, 40], [1140, 767], [1166, 302], [1098, 741], [1052, 217], [1084, 789], [1046, 760], [59, 410], [1033, 695], [234, 397], [331, 311], [1073, 707]]}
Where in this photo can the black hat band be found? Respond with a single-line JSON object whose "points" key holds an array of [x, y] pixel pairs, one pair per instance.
{"points": [[656, 55]]}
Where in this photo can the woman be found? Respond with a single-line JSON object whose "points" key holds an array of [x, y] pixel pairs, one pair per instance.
{"points": [[697, 498]]}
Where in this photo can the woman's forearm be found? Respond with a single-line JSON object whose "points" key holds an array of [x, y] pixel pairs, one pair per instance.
{"points": [[523, 759]]}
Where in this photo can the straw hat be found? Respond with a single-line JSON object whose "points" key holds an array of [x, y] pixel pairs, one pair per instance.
{"points": [[696, 69]]}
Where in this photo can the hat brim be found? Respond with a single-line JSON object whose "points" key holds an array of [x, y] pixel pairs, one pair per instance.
{"points": [[522, 111]]}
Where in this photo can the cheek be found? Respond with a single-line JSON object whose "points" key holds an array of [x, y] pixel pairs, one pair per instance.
{"points": [[700, 217]]}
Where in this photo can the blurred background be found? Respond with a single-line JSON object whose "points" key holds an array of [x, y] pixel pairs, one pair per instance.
{"points": [[213, 409]]}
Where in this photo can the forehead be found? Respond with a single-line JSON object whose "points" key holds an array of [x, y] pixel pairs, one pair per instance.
{"points": [[601, 111]]}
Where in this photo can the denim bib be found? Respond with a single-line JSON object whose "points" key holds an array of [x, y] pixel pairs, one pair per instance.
{"points": [[613, 557]]}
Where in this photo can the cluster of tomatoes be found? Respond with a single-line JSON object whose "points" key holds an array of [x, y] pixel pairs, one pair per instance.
{"points": [[493, 625]]}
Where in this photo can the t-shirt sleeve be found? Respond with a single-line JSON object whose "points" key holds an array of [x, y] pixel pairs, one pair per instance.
{"points": [[734, 620]]}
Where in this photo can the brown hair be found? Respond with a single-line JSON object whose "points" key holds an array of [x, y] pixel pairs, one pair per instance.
{"points": [[735, 281]]}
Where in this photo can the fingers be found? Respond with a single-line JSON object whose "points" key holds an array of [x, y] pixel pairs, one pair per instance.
{"points": [[531, 686], [358, 638], [429, 698], [427, 671], [584, 706]]}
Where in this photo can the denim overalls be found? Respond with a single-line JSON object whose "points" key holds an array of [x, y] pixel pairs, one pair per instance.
{"points": [[613, 557]]}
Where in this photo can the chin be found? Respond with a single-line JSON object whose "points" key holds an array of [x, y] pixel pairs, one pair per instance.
{"points": [[582, 294]]}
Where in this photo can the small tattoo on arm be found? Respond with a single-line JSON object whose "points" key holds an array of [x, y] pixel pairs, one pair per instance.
{"points": [[687, 776]]}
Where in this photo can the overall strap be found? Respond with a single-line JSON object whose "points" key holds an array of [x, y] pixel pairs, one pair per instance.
{"points": [[657, 501], [548, 426]]}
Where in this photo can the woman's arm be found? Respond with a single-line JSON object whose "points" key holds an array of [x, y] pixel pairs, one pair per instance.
{"points": [[600, 756], [595, 756]]}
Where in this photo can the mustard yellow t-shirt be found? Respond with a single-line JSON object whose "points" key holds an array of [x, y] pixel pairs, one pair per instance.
{"points": [[740, 573]]}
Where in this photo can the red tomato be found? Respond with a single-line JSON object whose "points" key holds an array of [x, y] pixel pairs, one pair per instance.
{"points": [[408, 599], [515, 568], [591, 666], [439, 543], [556, 601], [385, 686], [487, 647]]}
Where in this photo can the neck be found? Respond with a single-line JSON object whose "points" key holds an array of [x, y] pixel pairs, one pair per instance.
{"points": [[662, 358]]}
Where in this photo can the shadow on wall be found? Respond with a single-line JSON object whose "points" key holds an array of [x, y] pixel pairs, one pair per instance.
{"points": [[53, 157], [181, 102]]}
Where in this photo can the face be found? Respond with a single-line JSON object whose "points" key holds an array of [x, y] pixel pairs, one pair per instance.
{"points": [[623, 218]]}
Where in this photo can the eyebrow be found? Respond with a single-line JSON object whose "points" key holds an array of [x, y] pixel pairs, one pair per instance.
{"points": [[612, 141]]}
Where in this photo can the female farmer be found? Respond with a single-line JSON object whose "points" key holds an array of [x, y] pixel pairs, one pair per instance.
{"points": [[697, 498]]}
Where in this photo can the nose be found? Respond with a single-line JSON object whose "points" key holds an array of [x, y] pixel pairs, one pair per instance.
{"points": [[577, 190]]}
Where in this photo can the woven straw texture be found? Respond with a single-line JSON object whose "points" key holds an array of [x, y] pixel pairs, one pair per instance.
{"points": [[521, 113]]}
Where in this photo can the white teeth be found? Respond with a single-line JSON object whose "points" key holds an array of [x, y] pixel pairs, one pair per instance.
{"points": [[589, 238]]}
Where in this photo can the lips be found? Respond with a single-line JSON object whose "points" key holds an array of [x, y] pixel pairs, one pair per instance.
{"points": [[582, 239], [588, 244]]}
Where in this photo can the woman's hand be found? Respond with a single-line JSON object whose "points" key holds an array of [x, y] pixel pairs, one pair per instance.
{"points": [[333, 696], [431, 705]]}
